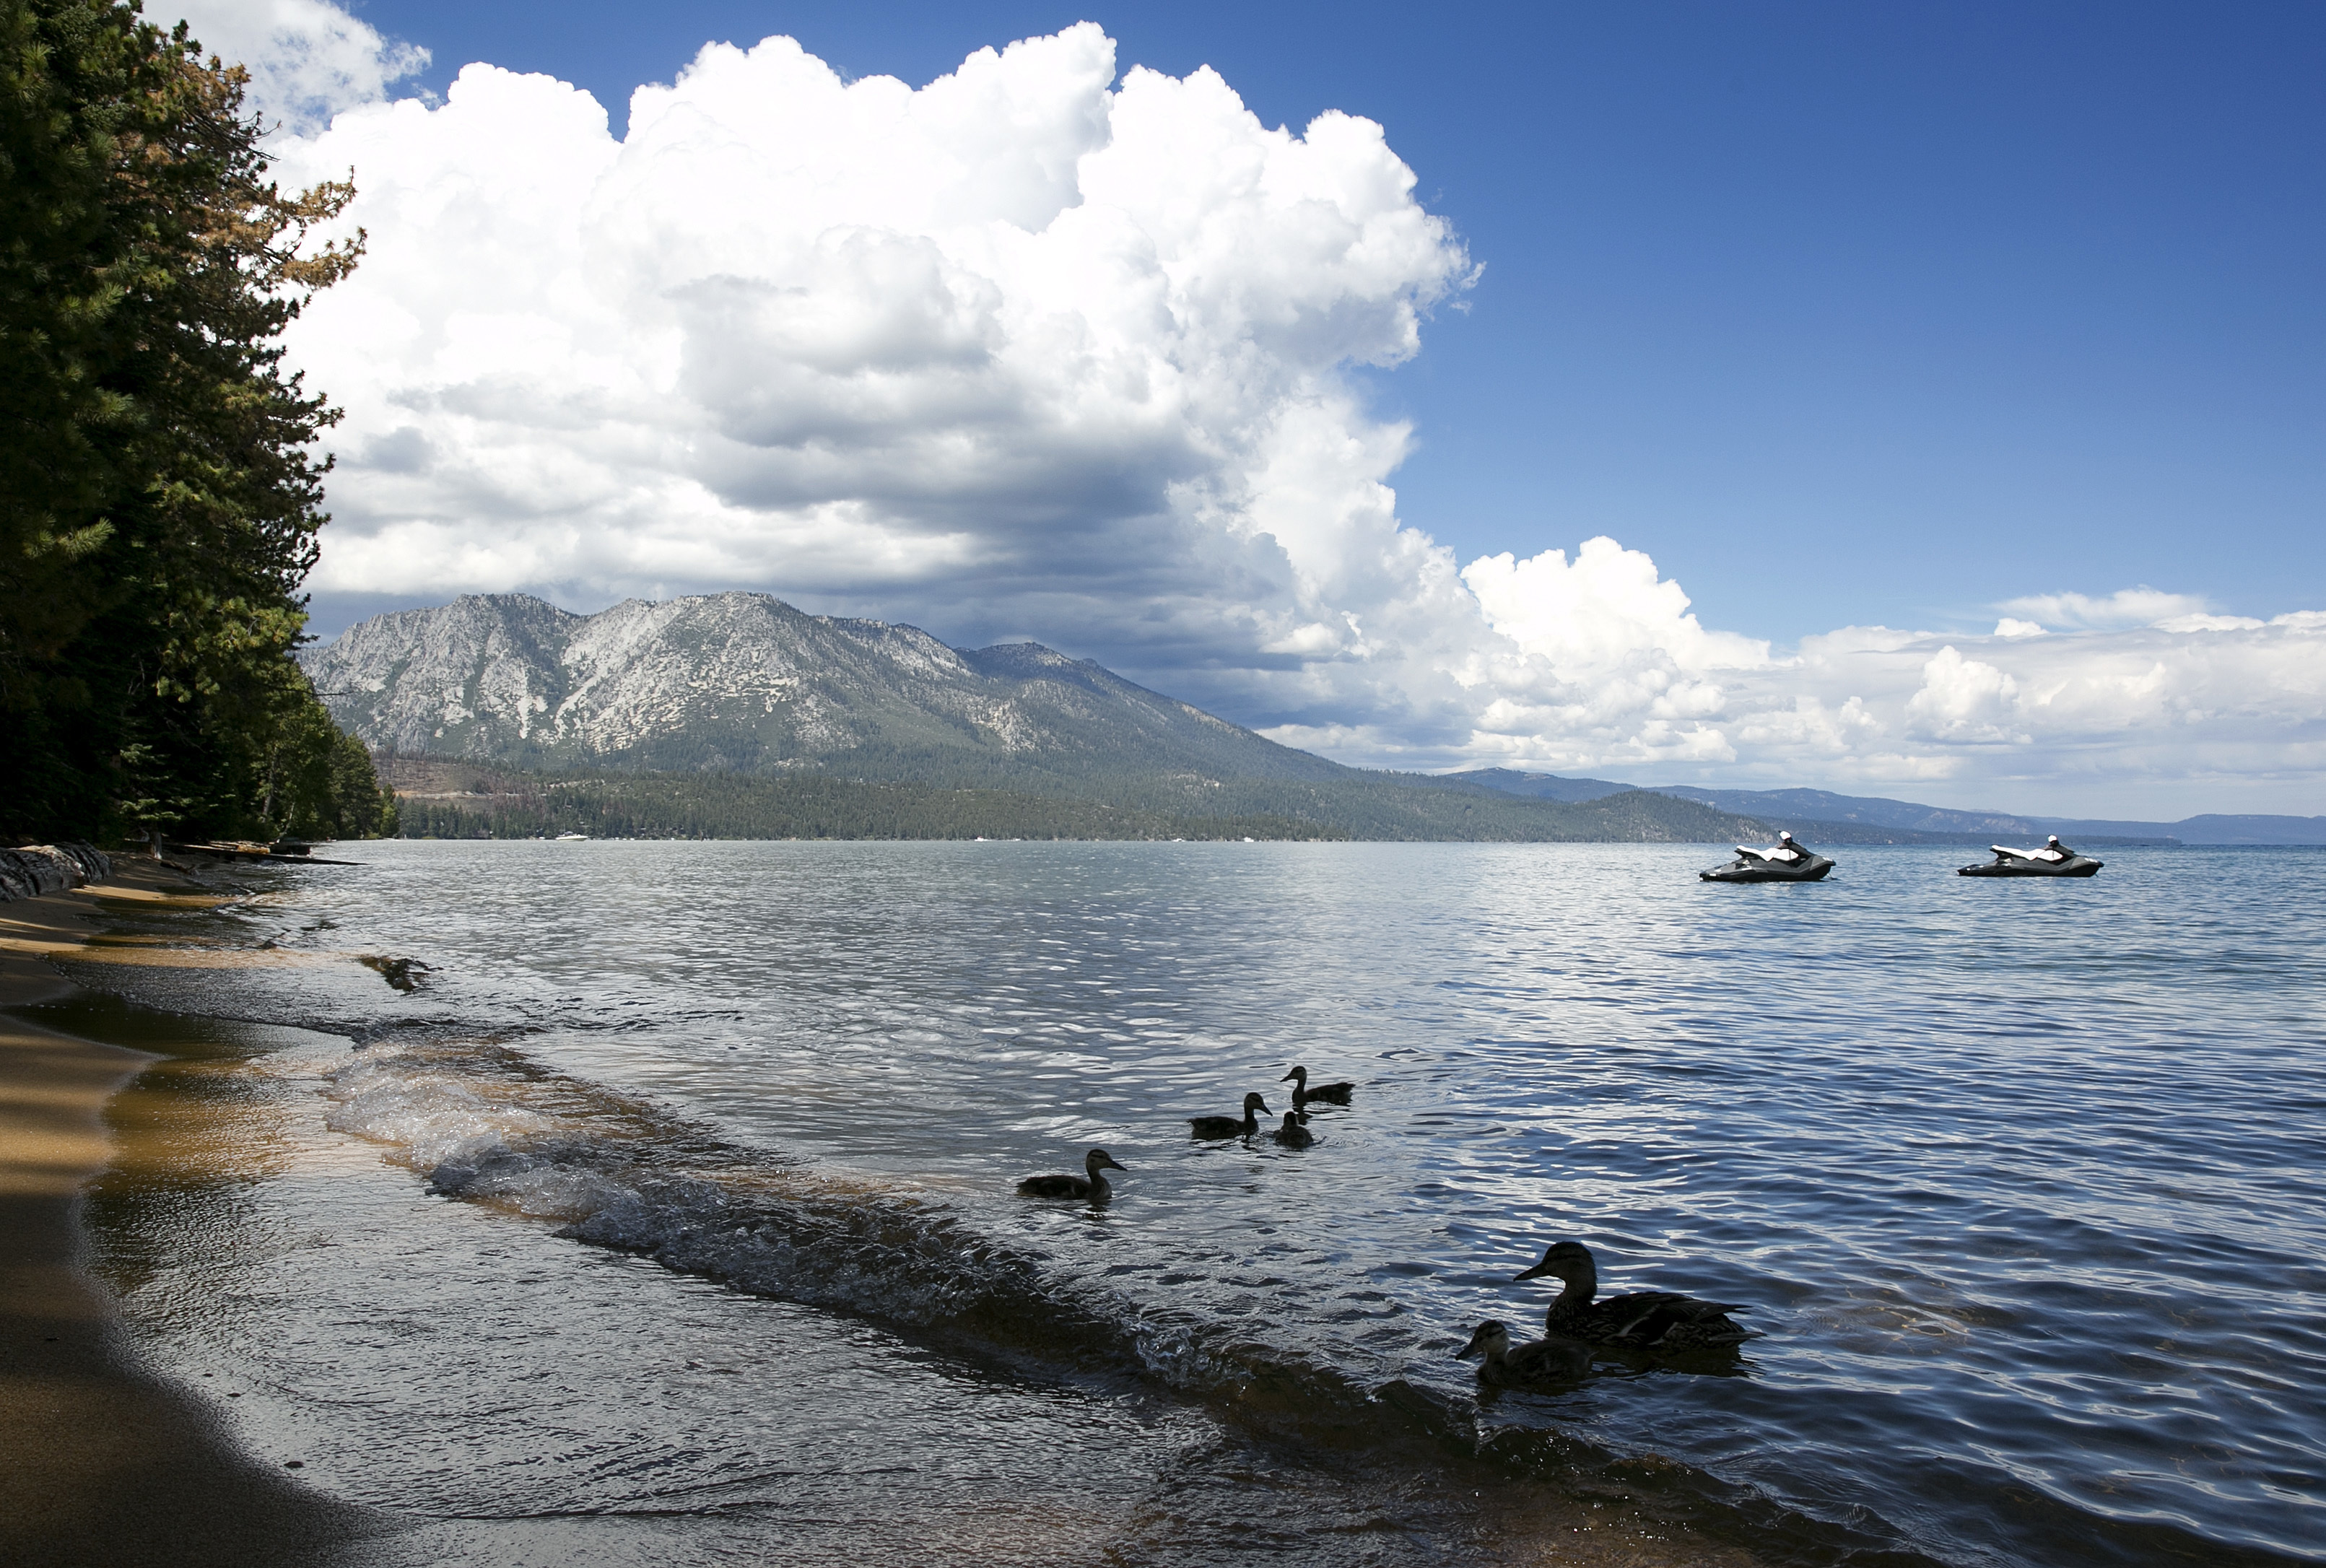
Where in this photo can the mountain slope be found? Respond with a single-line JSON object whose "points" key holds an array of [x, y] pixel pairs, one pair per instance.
{"points": [[440, 799], [744, 685], [1537, 787], [744, 682]]}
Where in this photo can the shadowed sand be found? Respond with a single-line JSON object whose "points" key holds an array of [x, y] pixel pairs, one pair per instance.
{"points": [[106, 1464]]}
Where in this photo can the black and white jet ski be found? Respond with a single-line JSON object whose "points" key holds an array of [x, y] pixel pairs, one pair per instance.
{"points": [[1784, 861], [2053, 859]]}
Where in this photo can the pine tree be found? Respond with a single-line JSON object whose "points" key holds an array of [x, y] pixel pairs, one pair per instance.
{"points": [[159, 487]]}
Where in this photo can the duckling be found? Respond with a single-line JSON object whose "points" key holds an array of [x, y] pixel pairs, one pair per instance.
{"points": [[1504, 1365], [1228, 1127], [1093, 1186], [1647, 1319], [1293, 1135], [1324, 1093]]}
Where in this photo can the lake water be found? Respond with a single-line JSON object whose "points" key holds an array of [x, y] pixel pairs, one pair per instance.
{"points": [[669, 1218]]}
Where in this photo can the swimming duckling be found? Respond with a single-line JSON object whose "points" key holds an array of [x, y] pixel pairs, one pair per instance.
{"points": [[1228, 1127], [1293, 1135], [1093, 1186], [1325, 1093], [1646, 1320], [1504, 1365]]}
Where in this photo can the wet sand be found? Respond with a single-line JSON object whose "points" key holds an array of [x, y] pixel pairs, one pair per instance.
{"points": [[106, 1464]]}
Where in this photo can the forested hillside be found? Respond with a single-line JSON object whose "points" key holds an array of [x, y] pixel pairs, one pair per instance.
{"points": [[442, 799]]}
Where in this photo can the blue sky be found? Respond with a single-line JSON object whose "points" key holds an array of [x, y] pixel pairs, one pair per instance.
{"points": [[1923, 401], [1927, 307]]}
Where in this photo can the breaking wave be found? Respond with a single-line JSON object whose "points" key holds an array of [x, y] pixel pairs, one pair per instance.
{"points": [[482, 1122]]}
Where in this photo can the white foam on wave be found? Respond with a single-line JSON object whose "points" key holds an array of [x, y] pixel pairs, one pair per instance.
{"points": [[622, 1181], [431, 1118]]}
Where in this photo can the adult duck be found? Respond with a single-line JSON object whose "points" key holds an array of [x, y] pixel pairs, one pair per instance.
{"points": [[1228, 1127], [1091, 1185], [1538, 1362], [1645, 1320], [1323, 1093], [1293, 1135]]}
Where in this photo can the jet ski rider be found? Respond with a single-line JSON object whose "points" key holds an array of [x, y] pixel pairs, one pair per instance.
{"points": [[2053, 849], [1787, 849]]}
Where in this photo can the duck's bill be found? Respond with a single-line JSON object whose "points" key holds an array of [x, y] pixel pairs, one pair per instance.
{"points": [[1536, 1272]]}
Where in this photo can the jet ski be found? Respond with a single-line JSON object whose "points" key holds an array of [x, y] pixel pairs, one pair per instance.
{"points": [[2053, 859], [1784, 861]]}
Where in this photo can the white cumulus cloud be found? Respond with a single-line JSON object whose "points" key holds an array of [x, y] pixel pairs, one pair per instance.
{"points": [[2128, 607], [1046, 349], [308, 59]]}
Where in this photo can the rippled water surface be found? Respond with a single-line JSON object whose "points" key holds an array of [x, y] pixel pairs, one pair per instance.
{"points": [[2022, 1180]]}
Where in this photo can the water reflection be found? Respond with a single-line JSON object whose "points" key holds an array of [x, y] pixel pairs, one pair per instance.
{"points": [[2021, 1179]]}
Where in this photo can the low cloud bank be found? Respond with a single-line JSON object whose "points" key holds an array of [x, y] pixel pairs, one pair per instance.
{"points": [[1045, 349]]}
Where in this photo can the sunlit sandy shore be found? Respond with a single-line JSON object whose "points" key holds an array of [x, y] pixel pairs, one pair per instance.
{"points": [[106, 1464]]}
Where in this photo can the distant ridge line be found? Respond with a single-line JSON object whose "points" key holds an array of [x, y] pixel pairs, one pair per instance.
{"points": [[1867, 818]]}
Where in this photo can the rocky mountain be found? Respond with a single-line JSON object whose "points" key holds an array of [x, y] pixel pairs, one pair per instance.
{"points": [[744, 682], [744, 687]]}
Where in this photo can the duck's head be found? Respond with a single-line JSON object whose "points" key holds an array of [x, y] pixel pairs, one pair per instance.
{"points": [[1568, 1260], [1100, 1160], [1298, 1075], [1254, 1101], [1291, 1120], [1484, 1340]]}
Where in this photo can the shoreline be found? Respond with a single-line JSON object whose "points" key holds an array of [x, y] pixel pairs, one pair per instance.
{"points": [[110, 1464]]}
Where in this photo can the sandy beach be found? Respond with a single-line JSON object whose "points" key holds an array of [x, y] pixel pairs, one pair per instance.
{"points": [[108, 1463]]}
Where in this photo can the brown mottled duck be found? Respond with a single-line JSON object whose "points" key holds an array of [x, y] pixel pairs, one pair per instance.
{"points": [[1645, 1320], [1293, 1135], [1322, 1093], [1091, 1186], [1538, 1362], [1228, 1127]]}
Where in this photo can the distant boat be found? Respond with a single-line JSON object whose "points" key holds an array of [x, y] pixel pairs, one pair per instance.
{"points": [[562, 837]]}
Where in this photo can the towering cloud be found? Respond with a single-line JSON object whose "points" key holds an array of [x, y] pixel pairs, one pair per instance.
{"points": [[308, 59], [1042, 349]]}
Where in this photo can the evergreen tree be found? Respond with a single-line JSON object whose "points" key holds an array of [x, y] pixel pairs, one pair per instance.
{"points": [[159, 491]]}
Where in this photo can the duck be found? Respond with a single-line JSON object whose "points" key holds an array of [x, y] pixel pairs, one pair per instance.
{"points": [[1228, 1127], [1646, 1320], [1293, 1135], [1504, 1365], [1091, 1186], [1326, 1093]]}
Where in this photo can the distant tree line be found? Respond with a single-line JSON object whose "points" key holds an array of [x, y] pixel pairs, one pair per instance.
{"points": [[502, 803], [160, 491], [735, 806]]}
